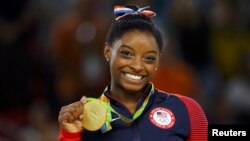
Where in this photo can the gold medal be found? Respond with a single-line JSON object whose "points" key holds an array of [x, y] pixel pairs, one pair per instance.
{"points": [[94, 115]]}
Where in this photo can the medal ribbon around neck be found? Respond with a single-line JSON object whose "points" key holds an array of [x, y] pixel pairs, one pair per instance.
{"points": [[104, 100]]}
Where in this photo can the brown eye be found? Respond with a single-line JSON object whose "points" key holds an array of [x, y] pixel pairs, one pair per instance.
{"points": [[149, 59], [126, 54]]}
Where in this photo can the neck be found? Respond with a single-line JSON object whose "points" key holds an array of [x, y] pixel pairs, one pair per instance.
{"points": [[128, 99], [125, 96]]}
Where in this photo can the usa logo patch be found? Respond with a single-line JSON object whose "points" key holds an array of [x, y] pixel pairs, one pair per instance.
{"points": [[162, 117]]}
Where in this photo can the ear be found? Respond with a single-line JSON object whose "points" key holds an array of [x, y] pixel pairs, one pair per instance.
{"points": [[107, 52]]}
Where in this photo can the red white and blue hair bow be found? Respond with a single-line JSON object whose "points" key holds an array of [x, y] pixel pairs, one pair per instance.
{"points": [[124, 11]]}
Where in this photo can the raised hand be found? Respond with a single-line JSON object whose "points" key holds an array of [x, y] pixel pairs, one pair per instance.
{"points": [[70, 116]]}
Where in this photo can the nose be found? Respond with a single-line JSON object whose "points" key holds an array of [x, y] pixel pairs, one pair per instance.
{"points": [[137, 64]]}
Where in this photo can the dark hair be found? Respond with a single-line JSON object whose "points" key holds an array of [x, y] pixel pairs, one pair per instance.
{"points": [[132, 22]]}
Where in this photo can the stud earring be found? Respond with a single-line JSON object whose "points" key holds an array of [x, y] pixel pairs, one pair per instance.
{"points": [[107, 59]]}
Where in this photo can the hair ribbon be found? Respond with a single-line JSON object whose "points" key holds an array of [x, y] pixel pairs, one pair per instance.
{"points": [[124, 11]]}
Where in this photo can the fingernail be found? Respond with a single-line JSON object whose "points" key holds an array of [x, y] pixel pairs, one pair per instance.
{"points": [[81, 117], [83, 99]]}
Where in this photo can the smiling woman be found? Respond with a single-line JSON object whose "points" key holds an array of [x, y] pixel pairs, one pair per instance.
{"points": [[133, 61], [132, 107]]}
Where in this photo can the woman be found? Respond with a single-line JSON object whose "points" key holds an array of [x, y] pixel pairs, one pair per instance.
{"points": [[139, 111]]}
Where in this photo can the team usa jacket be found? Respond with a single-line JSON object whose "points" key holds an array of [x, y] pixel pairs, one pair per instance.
{"points": [[167, 117]]}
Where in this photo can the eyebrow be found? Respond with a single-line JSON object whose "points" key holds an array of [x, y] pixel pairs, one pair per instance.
{"points": [[129, 47], [126, 46]]}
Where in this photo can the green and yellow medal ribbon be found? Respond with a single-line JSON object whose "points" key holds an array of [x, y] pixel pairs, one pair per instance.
{"points": [[105, 102]]}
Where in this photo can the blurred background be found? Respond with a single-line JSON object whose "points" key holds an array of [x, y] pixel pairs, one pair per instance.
{"points": [[51, 55]]}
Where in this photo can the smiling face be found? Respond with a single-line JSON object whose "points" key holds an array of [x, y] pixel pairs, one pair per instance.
{"points": [[133, 60]]}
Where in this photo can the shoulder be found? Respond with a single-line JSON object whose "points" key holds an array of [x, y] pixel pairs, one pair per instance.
{"points": [[196, 117], [193, 107], [191, 104], [198, 120]]}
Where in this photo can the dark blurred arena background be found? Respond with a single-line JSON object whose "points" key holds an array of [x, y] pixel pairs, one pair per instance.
{"points": [[51, 55]]}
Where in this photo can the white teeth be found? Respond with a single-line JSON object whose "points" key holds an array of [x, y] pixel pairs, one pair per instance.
{"points": [[132, 76]]}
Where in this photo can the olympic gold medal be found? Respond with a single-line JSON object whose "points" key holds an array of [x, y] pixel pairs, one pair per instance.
{"points": [[94, 115]]}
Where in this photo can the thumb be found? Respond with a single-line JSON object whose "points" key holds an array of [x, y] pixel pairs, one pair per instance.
{"points": [[83, 100]]}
